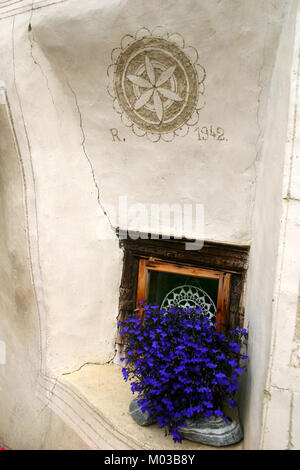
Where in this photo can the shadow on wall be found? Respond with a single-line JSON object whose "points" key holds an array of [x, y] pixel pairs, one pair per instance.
{"points": [[25, 423]]}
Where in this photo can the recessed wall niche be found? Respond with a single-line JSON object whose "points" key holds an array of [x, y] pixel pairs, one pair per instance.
{"points": [[159, 270]]}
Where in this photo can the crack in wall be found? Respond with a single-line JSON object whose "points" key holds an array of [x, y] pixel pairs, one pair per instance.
{"points": [[280, 389], [30, 208], [258, 143], [89, 160], [260, 86], [284, 222], [259, 96], [32, 42], [290, 443], [9, 9], [105, 363]]}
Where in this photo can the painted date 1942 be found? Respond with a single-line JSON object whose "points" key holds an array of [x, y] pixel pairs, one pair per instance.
{"points": [[210, 132]]}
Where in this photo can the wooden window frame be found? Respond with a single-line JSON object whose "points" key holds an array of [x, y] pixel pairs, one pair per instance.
{"points": [[229, 260], [146, 265]]}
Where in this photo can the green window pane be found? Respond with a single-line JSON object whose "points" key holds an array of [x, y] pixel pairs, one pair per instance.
{"points": [[167, 289]]}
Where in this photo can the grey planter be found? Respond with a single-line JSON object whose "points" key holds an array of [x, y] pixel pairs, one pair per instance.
{"points": [[213, 431], [143, 419], [209, 431]]}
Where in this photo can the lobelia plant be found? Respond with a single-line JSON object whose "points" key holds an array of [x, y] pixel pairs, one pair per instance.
{"points": [[180, 365]]}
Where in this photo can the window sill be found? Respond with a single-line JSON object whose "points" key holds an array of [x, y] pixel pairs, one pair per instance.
{"points": [[94, 401]]}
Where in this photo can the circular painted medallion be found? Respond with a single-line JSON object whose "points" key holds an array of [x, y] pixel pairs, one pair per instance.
{"points": [[156, 84]]}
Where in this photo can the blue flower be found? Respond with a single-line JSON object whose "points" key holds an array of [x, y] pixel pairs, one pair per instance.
{"points": [[233, 363], [180, 365], [189, 412], [211, 365], [239, 370], [231, 403], [125, 373], [208, 404], [234, 346]]}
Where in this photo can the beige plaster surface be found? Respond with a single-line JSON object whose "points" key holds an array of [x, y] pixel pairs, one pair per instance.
{"points": [[25, 423], [56, 75], [273, 277], [104, 390], [61, 168]]}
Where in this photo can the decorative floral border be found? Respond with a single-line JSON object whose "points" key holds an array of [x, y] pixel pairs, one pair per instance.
{"points": [[191, 53]]}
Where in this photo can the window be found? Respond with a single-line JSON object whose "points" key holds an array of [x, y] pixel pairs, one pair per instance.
{"points": [[163, 272], [168, 284]]}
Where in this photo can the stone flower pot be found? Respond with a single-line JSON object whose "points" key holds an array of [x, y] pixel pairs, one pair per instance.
{"points": [[212, 431], [140, 417], [209, 431]]}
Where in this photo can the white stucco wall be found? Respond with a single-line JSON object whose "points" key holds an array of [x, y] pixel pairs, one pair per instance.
{"points": [[281, 411], [268, 222], [55, 69], [60, 72], [25, 423]]}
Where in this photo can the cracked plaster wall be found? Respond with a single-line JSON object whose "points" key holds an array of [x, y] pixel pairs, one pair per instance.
{"points": [[264, 287], [54, 66], [60, 72], [25, 423]]}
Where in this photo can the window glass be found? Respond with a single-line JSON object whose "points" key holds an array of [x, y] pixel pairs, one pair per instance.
{"points": [[168, 289]]}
